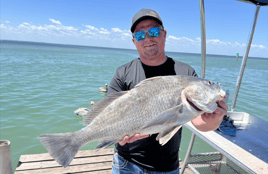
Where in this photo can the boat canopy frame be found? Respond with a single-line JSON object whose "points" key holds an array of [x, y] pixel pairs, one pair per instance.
{"points": [[258, 4]]}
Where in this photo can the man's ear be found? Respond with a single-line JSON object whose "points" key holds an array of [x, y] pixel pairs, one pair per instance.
{"points": [[165, 34], [133, 40]]}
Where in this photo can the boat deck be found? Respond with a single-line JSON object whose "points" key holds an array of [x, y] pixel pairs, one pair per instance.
{"points": [[87, 161], [248, 149]]}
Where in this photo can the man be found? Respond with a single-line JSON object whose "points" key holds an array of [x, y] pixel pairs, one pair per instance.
{"points": [[144, 154]]}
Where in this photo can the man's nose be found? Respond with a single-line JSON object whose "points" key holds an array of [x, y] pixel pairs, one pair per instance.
{"points": [[147, 36]]}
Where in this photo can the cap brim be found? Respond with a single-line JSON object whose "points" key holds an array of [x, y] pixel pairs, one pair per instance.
{"points": [[143, 18]]}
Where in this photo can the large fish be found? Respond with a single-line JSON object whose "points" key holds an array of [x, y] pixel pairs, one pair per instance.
{"points": [[157, 105]]}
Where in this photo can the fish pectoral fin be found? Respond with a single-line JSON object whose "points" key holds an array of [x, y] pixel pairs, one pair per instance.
{"points": [[166, 118], [165, 136], [101, 105], [104, 144]]}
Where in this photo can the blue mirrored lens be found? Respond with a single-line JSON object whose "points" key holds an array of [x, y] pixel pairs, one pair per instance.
{"points": [[154, 32], [140, 35]]}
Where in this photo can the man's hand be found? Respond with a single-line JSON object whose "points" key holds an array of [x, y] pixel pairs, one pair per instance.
{"points": [[128, 139], [211, 121], [217, 114]]}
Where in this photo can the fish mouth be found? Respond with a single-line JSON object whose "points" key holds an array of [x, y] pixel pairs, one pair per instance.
{"points": [[222, 94], [192, 104]]}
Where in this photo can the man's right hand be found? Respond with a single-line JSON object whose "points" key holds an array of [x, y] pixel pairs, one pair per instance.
{"points": [[128, 139]]}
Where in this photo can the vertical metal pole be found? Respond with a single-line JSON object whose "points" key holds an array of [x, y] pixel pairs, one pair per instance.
{"points": [[185, 162], [243, 65], [203, 54], [203, 36], [5, 157]]}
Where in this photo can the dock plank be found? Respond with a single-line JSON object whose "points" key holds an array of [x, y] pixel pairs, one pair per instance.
{"points": [[85, 162], [95, 168], [84, 153], [99, 172], [76, 161]]}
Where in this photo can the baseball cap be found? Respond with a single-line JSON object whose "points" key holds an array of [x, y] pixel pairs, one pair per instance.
{"points": [[143, 14]]}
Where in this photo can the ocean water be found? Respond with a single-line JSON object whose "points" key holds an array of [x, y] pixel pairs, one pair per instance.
{"points": [[43, 84]]}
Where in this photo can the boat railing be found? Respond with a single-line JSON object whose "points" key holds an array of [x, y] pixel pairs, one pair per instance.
{"points": [[247, 151]]}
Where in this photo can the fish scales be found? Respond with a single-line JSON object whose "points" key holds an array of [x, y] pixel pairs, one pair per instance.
{"points": [[156, 105], [128, 109]]}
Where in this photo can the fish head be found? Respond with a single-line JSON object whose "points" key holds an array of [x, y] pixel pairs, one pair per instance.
{"points": [[202, 94]]}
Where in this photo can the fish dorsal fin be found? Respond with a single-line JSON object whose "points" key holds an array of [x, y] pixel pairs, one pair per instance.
{"points": [[101, 105], [146, 81]]}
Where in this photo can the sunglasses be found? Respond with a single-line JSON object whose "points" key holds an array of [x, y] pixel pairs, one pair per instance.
{"points": [[153, 32]]}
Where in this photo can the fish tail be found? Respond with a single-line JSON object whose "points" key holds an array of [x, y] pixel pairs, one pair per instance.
{"points": [[62, 147]]}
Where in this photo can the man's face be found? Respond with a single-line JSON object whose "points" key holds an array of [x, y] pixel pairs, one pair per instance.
{"points": [[150, 46]]}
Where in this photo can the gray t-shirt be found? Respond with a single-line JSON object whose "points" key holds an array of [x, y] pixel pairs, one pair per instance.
{"points": [[148, 153]]}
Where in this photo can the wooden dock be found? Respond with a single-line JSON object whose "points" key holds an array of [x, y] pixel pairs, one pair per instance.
{"points": [[85, 162]]}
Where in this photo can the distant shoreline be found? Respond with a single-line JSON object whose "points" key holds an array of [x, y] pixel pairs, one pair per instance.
{"points": [[110, 48]]}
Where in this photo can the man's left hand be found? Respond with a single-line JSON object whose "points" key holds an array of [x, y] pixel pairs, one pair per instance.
{"points": [[217, 114]]}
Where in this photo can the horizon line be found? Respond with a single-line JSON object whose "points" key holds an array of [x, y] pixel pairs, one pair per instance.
{"points": [[60, 44]]}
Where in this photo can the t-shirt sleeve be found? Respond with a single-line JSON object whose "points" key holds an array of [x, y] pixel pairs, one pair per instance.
{"points": [[184, 69], [117, 82]]}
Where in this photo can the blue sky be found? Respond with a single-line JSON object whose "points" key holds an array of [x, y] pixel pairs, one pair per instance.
{"points": [[107, 23]]}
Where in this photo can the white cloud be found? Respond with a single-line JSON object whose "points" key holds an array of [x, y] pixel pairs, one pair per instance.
{"points": [[126, 34], [170, 37], [27, 29], [182, 41], [91, 30], [103, 29], [116, 37], [116, 30], [7, 22], [91, 27], [213, 46], [2, 26], [114, 34], [216, 42], [210, 42], [55, 22], [258, 46], [104, 32]]}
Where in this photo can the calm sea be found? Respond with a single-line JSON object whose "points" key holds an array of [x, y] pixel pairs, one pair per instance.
{"points": [[43, 84]]}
